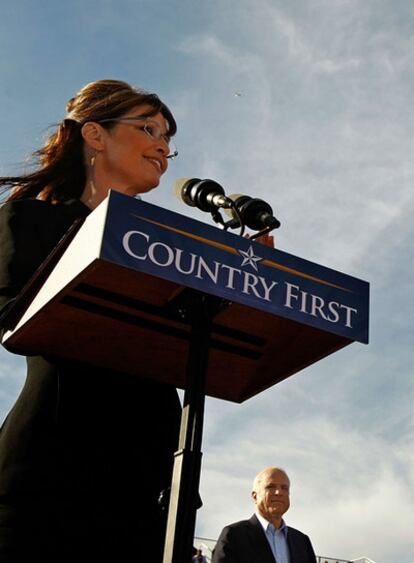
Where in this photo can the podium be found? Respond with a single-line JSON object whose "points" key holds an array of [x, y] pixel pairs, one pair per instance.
{"points": [[146, 291]]}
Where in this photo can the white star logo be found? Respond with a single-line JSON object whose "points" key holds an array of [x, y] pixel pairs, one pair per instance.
{"points": [[249, 258]]}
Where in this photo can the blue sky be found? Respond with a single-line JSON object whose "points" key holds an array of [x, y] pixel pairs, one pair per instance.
{"points": [[323, 130]]}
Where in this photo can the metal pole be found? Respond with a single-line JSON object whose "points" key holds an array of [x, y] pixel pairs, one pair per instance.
{"points": [[184, 499]]}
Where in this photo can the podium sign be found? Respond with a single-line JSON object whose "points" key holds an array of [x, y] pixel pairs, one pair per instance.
{"points": [[117, 298]]}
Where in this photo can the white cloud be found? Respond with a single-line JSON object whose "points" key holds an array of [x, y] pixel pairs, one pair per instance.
{"points": [[330, 67], [346, 158]]}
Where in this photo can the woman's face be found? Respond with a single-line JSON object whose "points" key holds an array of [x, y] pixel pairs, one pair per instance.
{"points": [[131, 161]]}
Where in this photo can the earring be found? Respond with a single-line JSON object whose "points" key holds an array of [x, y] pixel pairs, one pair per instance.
{"points": [[92, 161]]}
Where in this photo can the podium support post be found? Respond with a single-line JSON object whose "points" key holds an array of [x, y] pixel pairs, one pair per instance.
{"points": [[184, 499]]}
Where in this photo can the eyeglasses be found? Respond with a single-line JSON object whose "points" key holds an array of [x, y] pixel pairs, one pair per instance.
{"points": [[150, 128]]}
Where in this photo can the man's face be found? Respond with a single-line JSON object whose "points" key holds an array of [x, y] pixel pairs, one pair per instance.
{"points": [[271, 494]]}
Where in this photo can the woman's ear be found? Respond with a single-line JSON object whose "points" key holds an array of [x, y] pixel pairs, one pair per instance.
{"points": [[93, 135]]}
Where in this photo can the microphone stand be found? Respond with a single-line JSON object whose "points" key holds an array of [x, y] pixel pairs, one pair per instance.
{"points": [[199, 309]]}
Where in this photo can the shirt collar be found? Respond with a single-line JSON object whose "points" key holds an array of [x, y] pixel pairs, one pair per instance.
{"points": [[264, 523]]}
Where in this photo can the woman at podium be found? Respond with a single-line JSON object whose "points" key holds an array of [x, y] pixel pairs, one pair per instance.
{"points": [[85, 452]]}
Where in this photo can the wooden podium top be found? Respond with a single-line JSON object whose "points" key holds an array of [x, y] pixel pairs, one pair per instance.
{"points": [[115, 300]]}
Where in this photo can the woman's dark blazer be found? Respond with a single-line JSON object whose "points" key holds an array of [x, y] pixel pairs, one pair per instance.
{"points": [[245, 542], [84, 452]]}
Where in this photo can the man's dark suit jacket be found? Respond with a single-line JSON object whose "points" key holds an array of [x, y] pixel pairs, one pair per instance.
{"points": [[246, 542]]}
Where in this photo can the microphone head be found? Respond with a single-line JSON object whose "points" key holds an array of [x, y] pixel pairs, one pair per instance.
{"points": [[254, 212], [181, 187], [198, 193], [238, 200]]}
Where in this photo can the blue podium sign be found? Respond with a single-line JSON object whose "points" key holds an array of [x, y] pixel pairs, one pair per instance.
{"points": [[170, 246]]}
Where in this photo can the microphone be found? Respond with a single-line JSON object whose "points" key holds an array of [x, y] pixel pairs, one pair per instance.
{"points": [[256, 213], [206, 195]]}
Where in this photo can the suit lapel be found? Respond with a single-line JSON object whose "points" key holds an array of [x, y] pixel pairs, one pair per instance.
{"points": [[258, 538], [295, 547]]}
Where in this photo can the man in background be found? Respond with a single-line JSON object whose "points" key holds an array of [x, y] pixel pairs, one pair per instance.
{"points": [[199, 557], [265, 537]]}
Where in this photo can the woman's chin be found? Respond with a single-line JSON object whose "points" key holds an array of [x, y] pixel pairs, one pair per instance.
{"points": [[133, 191]]}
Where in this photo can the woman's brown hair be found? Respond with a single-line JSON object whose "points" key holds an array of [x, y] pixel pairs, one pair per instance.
{"points": [[61, 172]]}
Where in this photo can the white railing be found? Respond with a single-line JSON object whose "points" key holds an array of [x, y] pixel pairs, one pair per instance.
{"points": [[207, 546]]}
